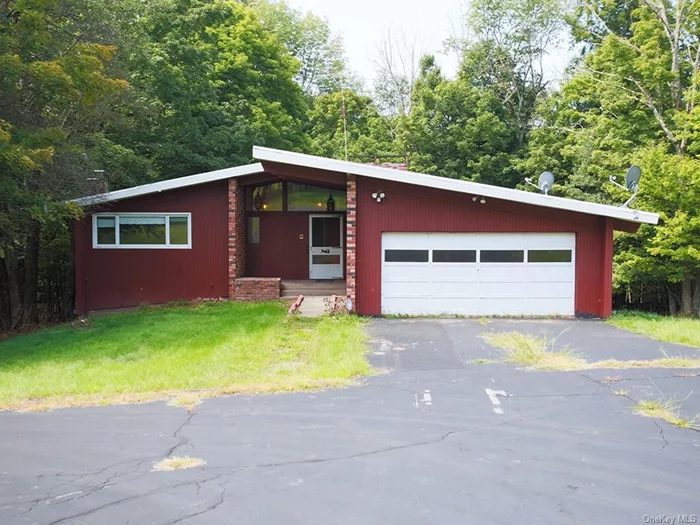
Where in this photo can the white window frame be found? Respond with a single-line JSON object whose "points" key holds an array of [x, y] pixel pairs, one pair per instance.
{"points": [[117, 245]]}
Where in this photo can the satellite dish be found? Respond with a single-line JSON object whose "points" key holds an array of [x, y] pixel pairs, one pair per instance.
{"points": [[544, 182], [632, 178], [631, 183]]}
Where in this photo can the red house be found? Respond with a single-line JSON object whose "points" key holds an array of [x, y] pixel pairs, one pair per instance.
{"points": [[396, 241]]}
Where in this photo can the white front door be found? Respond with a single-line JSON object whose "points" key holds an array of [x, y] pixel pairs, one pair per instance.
{"points": [[478, 273], [326, 247]]}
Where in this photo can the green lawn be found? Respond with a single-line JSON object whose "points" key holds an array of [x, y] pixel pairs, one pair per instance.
{"points": [[680, 330], [154, 352]]}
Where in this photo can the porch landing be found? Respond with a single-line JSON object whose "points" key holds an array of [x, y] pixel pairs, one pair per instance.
{"points": [[313, 288]]}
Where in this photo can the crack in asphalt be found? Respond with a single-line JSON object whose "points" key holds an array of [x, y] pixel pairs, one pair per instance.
{"points": [[661, 432]]}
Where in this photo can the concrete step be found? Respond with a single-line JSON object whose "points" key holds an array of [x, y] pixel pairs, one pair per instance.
{"points": [[312, 293]]}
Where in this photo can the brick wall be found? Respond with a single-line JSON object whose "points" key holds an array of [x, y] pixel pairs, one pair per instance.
{"points": [[256, 289], [236, 234], [350, 239]]}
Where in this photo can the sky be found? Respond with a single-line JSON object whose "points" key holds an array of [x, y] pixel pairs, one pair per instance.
{"points": [[362, 23]]}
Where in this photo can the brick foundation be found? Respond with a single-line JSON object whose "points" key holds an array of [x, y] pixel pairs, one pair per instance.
{"points": [[256, 289], [351, 240], [236, 234]]}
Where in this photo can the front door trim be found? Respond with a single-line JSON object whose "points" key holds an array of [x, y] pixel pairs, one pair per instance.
{"points": [[326, 271]]}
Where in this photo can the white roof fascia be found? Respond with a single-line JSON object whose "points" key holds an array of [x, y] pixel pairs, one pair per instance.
{"points": [[170, 184], [461, 186]]}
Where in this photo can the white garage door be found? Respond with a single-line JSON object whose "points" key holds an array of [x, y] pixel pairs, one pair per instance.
{"points": [[478, 273]]}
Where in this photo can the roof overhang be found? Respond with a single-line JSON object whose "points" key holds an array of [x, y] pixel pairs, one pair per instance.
{"points": [[460, 186], [171, 184]]}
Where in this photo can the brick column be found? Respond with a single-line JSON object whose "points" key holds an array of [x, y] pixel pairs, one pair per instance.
{"points": [[350, 240], [236, 235]]}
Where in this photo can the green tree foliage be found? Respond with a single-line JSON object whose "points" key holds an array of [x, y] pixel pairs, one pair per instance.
{"points": [[309, 39], [335, 116], [214, 82], [457, 130]]}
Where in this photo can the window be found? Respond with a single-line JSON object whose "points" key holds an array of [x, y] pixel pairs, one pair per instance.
{"points": [[502, 256], [302, 197], [454, 256], [265, 198], [406, 255], [549, 256], [253, 230], [142, 230]]}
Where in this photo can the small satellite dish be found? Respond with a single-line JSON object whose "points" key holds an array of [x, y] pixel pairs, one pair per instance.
{"points": [[632, 178], [544, 182], [631, 183]]}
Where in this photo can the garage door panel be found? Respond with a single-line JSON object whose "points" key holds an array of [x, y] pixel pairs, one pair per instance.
{"points": [[406, 289], [454, 289], [454, 305], [550, 273], [454, 273], [549, 306], [550, 241], [453, 280], [553, 290], [502, 273], [407, 273], [502, 290]]}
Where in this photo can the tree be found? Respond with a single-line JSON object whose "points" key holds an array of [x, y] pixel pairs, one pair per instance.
{"points": [[456, 130], [309, 39], [53, 85], [633, 99], [213, 82], [335, 116]]}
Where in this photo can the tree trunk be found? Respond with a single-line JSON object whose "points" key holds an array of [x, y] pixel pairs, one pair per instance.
{"points": [[13, 287], [31, 273], [696, 297], [672, 301], [687, 297], [5, 311]]}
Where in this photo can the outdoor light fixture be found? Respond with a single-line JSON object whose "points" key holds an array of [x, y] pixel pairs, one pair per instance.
{"points": [[482, 200], [330, 203], [378, 196]]}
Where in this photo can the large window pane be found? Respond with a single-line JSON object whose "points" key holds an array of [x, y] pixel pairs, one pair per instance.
{"points": [[265, 198], [406, 255], [454, 256], [178, 230], [549, 256], [135, 230], [325, 231], [106, 230], [502, 256], [303, 197]]}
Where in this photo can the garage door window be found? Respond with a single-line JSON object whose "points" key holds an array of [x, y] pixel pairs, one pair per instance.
{"points": [[549, 256], [502, 256], [454, 256], [419, 256]]}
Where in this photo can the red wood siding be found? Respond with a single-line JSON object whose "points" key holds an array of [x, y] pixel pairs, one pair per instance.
{"points": [[114, 278], [416, 209], [280, 253]]}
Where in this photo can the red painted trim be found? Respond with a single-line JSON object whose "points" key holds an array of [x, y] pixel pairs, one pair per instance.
{"points": [[607, 265]]}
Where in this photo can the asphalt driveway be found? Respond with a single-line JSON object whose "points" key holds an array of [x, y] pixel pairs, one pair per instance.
{"points": [[422, 443]]}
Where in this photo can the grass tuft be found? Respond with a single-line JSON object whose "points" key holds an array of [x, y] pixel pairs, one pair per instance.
{"points": [[681, 330], [666, 409], [178, 463], [534, 352], [538, 354], [621, 392]]}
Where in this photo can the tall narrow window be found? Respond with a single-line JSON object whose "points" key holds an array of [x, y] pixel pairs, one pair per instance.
{"points": [[253, 230], [106, 230]]}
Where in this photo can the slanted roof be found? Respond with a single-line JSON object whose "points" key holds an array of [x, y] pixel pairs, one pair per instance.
{"points": [[460, 186], [171, 184]]}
